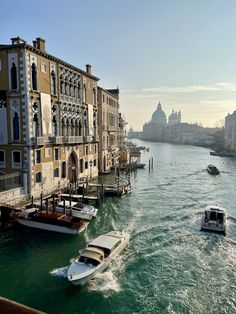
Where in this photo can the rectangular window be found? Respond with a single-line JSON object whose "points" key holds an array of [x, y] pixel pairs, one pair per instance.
{"points": [[86, 165], [103, 98], [95, 148], [95, 162], [2, 159], [38, 177], [38, 156], [16, 159], [86, 150], [56, 154], [56, 173]]}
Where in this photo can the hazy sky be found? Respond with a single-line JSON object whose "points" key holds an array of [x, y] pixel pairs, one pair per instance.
{"points": [[179, 52]]}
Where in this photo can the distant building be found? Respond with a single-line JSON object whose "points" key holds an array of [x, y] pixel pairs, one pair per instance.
{"points": [[174, 118], [155, 129], [230, 131], [175, 131]]}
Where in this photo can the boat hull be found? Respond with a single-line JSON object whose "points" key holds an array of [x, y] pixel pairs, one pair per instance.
{"points": [[51, 227]]}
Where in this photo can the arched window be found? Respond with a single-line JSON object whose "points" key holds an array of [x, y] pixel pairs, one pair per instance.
{"points": [[63, 124], [94, 96], [54, 126], [71, 88], [34, 76], [84, 94], [16, 127], [62, 84], [13, 76], [53, 83]]}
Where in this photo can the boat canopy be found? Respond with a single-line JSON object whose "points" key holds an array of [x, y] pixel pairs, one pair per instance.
{"points": [[214, 208], [105, 241], [93, 253]]}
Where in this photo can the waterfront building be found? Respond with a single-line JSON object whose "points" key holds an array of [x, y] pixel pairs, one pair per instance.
{"points": [[48, 118], [230, 131], [109, 129]]}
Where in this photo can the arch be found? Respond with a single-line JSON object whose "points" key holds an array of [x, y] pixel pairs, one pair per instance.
{"points": [[73, 167]]}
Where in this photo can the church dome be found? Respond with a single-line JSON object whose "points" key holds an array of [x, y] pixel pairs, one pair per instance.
{"points": [[159, 116]]}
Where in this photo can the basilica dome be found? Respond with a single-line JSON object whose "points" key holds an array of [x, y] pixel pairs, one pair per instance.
{"points": [[159, 116]]}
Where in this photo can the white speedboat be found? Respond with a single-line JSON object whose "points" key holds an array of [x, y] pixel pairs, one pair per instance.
{"points": [[51, 221], [214, 219], [78, 210], [97, 256]]}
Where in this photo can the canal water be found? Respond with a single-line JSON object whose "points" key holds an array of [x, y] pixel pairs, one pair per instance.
{"points": [[170, 266]]}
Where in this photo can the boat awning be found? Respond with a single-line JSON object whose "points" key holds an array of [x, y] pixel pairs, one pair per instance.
{"points": [[93, 253], [105, 241]]}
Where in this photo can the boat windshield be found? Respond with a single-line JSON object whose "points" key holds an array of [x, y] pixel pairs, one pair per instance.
{"points": [[88, 261]]}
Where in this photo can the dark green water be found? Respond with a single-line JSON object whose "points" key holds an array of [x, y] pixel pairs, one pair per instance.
{"points": [[170, 266]]}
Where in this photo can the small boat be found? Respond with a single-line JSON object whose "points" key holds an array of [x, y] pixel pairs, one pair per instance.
{"points": [[212, 170], [97, 256], [140, 165], [214, 219], [51, 221], [79, 210]]}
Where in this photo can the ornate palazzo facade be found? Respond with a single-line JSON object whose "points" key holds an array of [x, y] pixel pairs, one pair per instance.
{"points": [[48, 118]]}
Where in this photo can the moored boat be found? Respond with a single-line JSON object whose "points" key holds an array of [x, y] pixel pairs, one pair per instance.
{"points": [[97, 256], [212, 170], [214, 219], [79, 210], [51, 221]]}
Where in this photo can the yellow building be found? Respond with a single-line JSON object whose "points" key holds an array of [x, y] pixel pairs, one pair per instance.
{"points": [[48, 118], [109, 130]]}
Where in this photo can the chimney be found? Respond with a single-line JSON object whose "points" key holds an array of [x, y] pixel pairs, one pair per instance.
{"points": [[39, 43], [88, 69]]}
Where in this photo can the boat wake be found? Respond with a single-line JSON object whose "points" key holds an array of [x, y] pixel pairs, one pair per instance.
{"points": [[105, 282], [60, 272]]}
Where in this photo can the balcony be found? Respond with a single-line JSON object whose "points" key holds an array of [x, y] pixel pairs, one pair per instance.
{"points": [[87, 139], [95, 138], [38, 141], [73, 139], [112, 128], [58, 140]]}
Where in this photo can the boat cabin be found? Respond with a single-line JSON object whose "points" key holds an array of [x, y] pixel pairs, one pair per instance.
{"points": [[107, 243], [214, 214]]}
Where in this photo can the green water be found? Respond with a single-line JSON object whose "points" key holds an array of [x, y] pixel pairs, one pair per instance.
{"points": [[170, 266]]}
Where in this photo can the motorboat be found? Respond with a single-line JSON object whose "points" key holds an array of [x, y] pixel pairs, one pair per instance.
{"points": [[79, 210], [96, 257], [51, 221], [214, 219], [212, 170]]}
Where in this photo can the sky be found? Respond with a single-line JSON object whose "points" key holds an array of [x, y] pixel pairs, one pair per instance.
{"points": [[181, 53]]}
